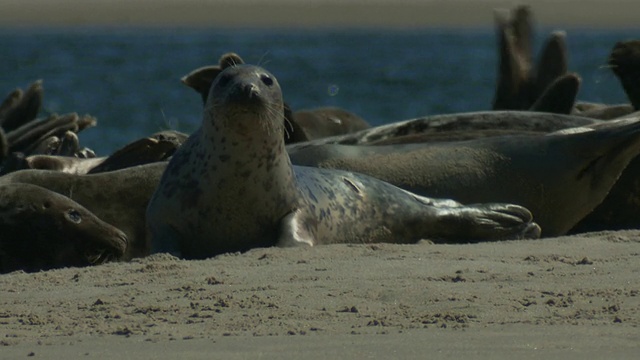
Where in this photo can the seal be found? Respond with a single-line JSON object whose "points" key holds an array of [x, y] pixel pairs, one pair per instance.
{"points": [[68, 164], [624, 61], [327, 121], [232, 187], [302, 125], [118, 197], [157, 147], [560, 177], [453, 127], [43, 230]]}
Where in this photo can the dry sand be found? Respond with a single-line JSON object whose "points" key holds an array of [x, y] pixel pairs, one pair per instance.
{"points": [[575, 297], [311, 13]]}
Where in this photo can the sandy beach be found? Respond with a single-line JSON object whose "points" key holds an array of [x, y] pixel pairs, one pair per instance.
{"points": [[575, 297], [571, 297]]}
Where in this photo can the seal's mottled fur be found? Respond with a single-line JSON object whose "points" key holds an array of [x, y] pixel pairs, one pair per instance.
{"points": [[232, 187]]}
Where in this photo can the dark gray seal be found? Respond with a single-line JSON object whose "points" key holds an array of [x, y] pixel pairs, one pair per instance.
{"points": [[40, 230], [624, 61], [231, 187]]}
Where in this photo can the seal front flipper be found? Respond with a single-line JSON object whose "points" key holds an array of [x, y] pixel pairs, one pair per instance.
{"points": [[296, 230], [165, 239]]}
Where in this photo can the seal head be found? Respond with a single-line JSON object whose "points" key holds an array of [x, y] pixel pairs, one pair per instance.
{"points": [[232, 181]]}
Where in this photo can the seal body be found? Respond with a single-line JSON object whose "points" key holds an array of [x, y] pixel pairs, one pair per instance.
{"points": [[561, 177], [40, 229], [232, 187], [118, 197]]}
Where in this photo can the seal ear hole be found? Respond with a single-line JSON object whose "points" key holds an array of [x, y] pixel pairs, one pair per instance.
{"points": [[74, 216], [46, 204], [266, 79]]}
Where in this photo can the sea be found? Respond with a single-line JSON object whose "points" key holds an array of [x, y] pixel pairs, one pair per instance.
{"points": [[129, 79]]}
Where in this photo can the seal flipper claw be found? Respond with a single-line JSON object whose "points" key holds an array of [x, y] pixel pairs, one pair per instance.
{"points": [[488, 222], [294, 231]]}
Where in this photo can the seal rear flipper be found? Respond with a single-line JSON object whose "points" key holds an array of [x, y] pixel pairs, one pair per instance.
{"points": [[624, 60], [552, 63], [295, 230], [482, 222], [560, 96]]}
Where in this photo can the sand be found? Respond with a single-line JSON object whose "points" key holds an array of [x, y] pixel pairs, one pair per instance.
{"points": [[575, 297]]}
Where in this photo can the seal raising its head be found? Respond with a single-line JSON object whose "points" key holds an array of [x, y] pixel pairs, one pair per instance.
{"points": [[231, 187]]}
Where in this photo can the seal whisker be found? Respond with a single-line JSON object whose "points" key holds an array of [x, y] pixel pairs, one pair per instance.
{"points": [[262, 60]]}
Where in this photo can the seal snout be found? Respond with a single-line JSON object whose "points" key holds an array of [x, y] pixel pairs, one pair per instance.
{"points": [[245, 93]]}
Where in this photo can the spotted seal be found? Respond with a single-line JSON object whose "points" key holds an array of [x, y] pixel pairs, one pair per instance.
{"points": [[40, 229], [560, 177], [232, 187], [302, 125]]}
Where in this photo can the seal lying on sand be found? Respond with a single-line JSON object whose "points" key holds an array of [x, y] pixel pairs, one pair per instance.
{"points": [[231, 187], [40, 229], [560, 178], [117, 197], [323, 122], [157, 147], [460, 126]]}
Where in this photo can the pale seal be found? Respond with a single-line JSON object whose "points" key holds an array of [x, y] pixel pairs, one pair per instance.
{"points": [[40, 229], [231, 187], [560, 177]]}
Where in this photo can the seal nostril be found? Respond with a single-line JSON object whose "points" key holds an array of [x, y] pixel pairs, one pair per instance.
{"points": [[250, 90]]}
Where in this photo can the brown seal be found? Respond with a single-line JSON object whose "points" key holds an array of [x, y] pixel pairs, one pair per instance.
{"points": [[119, 197], [40, 229]]}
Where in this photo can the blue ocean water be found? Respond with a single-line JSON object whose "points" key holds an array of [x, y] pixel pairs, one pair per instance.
{"points": [[129, 79]]}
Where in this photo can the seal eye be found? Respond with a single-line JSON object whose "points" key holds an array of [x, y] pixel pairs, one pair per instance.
{"points": [[74, 216], [266, 79]]}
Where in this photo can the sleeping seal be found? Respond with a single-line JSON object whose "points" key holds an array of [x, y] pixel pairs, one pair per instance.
{"points": [[40, 229]]}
